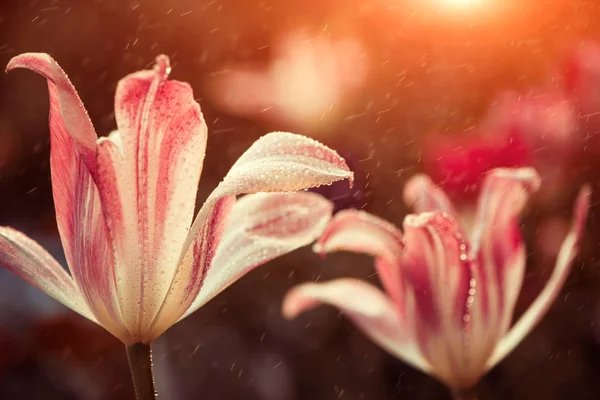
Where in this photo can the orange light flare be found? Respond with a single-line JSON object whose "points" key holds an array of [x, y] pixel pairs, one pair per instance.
{"points": [[460, 3], [459, 20], [474, 21], [464, 7]]}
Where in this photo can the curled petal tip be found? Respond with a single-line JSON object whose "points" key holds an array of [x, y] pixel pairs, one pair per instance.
{"points": [[163, 66], [288, 309], [297, 301], [440, 222], [582, 205], [583, 198], [319, 249], [28, 60], [423, 195], [15, 62], [422, 219], [414, 186], [10, 66], [527, 176]]}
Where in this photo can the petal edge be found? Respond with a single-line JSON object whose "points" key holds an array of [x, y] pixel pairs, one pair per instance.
{"points": [[25, 258], [368, 307], [544, 300], [261, 227]]}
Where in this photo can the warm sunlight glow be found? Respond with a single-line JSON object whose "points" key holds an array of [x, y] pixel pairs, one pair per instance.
{"points": [[460, 3]]}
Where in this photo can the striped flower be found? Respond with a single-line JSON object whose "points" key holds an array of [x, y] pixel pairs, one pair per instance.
{"points": [[450, 291], [138, 259]]}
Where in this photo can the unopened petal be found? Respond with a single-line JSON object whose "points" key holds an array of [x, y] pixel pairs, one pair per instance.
{"points": [[542, 303], [261, 227], [374, 313]]}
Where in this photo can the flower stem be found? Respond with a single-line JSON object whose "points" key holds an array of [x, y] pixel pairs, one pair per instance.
{"points": [[464, 394], [140, 364]]}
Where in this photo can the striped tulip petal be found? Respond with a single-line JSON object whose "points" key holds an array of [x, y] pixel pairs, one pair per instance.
{"points": [[277, 162], [25, 258], [499, 250], [156, 160], [78, 210], [90, 257], [438, 272], [368, 307], [361, 232], [191, 273], [542, 303], [68, 117], [283, 162], [261, 227]]}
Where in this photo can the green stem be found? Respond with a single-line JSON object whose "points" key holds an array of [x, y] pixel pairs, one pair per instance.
{"points": [[140, 364]]}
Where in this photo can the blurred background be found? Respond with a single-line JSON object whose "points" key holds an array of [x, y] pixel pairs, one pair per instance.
{"points": [[449, 87]]}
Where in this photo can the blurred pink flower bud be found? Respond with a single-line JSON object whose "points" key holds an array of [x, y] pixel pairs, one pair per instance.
{"points": [[534, 130]]}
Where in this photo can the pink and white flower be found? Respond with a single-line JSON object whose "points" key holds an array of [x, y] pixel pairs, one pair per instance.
{"points": [[138, 260], [450, 291]]}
